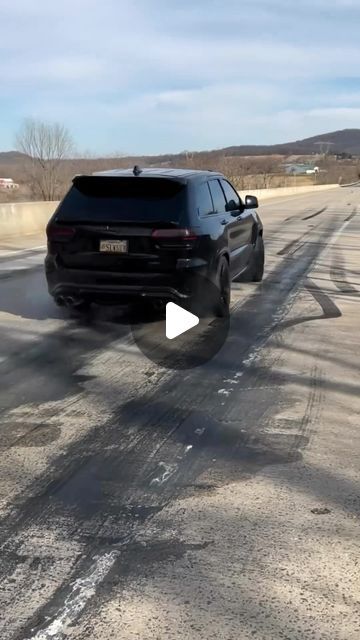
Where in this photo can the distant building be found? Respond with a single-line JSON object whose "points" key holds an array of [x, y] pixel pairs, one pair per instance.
{"points": [[300, 169], [8, 183]]}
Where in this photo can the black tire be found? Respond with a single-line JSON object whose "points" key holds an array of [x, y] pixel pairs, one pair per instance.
{"points": [[255, 270], [223, 283], [258, 260]]}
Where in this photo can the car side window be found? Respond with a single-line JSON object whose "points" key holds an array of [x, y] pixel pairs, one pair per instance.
{"points": [[204, 203], [217, 195], [230, 193]]}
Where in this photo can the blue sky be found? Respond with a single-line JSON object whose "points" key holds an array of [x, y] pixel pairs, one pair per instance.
{"points": [[154, 76]]}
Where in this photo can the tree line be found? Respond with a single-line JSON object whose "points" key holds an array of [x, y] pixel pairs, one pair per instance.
{"points": [[49, 162]]}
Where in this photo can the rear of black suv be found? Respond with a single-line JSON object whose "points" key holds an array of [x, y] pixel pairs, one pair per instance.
{"points": [[125, 235], [114, 237]]}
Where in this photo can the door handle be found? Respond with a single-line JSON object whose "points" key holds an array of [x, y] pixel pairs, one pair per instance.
{"points": [[224, 221]]}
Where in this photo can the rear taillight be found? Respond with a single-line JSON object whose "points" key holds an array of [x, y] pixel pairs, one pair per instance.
{"points": [[58, 233], [175, 234]]}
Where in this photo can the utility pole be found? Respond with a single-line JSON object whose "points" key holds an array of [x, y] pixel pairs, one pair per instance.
{"points": [[324, 147]]}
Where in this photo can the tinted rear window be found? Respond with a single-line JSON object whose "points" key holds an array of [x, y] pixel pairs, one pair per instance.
{"points": [[217, 196], [204, 203], [106, 199]]}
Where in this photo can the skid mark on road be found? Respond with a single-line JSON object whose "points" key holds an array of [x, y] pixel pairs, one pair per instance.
{"points": [[297, 242], [288, 247], [122, 474], [317, 213], [82, 590], [338, 275], [352, 215], [328, 306], [313, 406]]}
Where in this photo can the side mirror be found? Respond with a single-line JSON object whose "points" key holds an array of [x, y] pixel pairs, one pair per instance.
{"points": [[251, 202]]}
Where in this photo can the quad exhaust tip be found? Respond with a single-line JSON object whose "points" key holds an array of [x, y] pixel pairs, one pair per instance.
{"points": [[68, 301]]}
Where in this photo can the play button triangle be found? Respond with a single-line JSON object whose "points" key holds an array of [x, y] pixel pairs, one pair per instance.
{"points": [[178, 320]]}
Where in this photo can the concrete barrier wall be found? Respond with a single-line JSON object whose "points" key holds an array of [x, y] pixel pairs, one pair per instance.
{"points": [[32, 217], [264, 194], [350, 184], [25, 217]]}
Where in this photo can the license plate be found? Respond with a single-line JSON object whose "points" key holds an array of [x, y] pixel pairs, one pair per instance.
{"points": [[113, 246]]}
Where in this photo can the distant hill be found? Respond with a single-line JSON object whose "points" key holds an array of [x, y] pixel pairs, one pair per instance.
{"points": [[345, 141], [10, 157], [335, 142]]}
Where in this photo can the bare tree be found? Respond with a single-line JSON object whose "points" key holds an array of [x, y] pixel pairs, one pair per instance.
{"points": [[46, 146], [266, 168]]}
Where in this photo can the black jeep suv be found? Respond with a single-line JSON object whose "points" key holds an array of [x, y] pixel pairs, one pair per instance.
{"points": [[125, 234]]}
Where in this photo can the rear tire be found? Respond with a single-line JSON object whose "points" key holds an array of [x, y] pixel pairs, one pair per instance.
{"points": [[255, 270], [259, 260], [223, 282]]}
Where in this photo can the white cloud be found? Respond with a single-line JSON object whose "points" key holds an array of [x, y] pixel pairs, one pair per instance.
{"points": [[180, 74]]}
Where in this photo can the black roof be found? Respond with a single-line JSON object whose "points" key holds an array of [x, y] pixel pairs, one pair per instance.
{"points": [[183, 175]]}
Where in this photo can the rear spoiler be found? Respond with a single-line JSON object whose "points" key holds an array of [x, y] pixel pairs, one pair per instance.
{"points": [[80, 177]]}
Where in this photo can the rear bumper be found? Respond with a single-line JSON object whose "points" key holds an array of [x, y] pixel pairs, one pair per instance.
{"points": [[101, 285]]}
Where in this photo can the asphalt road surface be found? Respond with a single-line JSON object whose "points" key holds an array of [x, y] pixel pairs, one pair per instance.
{"points": [[220, 502]]}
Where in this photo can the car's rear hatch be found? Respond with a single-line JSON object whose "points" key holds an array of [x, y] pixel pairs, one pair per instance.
{"points": [[121, 224]]}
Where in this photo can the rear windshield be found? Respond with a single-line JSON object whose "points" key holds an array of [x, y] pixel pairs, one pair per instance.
{"points": [[107, 199]]}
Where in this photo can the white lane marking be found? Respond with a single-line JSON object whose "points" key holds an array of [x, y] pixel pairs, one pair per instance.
{"points": [[82, 590], [224, 392], [334, 238], [19, 252], [188, 447]]}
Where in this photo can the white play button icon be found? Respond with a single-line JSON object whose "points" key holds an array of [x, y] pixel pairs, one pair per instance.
{"points": [[178, 320], [166, 339]]}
